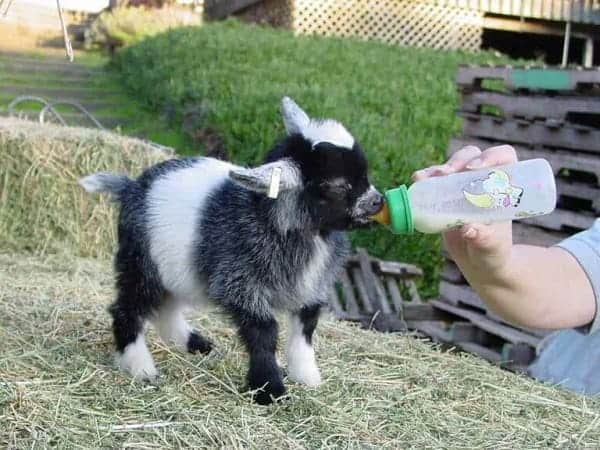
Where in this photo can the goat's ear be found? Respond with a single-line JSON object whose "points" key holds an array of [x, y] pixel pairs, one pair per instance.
{"points": [[294, 118], [269, 178]]}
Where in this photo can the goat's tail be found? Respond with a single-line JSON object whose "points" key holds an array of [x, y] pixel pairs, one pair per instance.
{"points": [[111, 183]]}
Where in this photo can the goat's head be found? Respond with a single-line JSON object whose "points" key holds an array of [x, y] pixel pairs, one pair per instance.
{"points": [[323, 167]]}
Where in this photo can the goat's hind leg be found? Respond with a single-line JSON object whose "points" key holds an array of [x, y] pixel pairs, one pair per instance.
{"points": [[139, 294], [132, 354]]}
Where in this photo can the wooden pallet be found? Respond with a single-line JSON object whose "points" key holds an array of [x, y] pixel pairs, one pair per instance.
{"points": [[549, 133], [512, 106], [380, 294], [537, 114], [540, 113], [535, 79]]}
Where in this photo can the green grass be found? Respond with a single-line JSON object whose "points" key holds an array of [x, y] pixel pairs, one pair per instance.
{"points": [[59, 389], [398, 102]]}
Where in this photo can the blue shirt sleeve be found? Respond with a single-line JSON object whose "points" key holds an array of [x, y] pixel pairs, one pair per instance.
{"points": [[585, 247]]}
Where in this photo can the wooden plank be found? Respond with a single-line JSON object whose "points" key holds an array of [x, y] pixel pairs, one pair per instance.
{"points": [[518, 355], [472, 76], [456, 294], [527, 133], [465, 332], [484, 352], [579, 191], [558, 159], [451, 273], [531, 235], [511, 105], [374, 294], [424, 312], [402, 270], [505, 332], [387, 307], [395, 294], [399, 269], [349, 297], [413, 291], [362, 290], [434, 330], [561, 219], [219, 9], [335, 303]]}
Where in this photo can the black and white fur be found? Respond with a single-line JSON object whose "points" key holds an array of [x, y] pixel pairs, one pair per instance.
{"points": [[200, 229]]}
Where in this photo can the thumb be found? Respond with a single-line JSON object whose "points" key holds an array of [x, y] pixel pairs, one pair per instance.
{"points": [[479, 237], [487, 247]]}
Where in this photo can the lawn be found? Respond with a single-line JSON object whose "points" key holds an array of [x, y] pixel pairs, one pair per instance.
{"points": [[398, 102]]}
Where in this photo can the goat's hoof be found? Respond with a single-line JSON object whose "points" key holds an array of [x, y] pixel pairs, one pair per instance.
{"points": [[198, 344], [137, 364], [268, 393], [309, 375]]}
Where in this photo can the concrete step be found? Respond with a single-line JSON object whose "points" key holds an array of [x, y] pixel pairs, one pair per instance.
{"points": [[19, 78], [72, 119], [76, 94], [93, 106], [61, 65]]}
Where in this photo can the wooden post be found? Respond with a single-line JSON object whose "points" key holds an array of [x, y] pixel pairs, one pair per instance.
{"points": [[588, 52], [565, 55]]}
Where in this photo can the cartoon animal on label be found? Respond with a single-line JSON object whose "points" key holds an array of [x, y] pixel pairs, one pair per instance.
{"points": [[495, 191]]}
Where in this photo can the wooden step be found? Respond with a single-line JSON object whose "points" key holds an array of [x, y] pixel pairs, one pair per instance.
{"points": [[73, 119], [77, 94], [40, 66]]}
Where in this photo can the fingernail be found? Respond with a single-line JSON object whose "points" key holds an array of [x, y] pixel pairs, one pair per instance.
{"points": [[470, 233], [418, 174], [475, 164]]}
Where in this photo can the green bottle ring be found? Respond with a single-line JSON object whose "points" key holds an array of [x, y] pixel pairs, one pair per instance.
{"points": [[398, 204]]}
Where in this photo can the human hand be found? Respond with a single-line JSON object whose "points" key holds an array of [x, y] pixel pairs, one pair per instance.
{"points": [[481, 251]]}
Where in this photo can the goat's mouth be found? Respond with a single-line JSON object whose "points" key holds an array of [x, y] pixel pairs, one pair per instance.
{"points": [[362, 221]]}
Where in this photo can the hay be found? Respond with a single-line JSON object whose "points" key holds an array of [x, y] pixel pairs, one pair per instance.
{"points": [[42, 208], [58, 388]]}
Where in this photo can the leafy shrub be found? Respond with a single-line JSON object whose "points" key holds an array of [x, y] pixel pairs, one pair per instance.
{"points": [[398, 102], [127, 25]]}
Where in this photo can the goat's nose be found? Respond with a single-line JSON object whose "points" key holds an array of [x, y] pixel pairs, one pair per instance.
{"points": [[376, 203]]}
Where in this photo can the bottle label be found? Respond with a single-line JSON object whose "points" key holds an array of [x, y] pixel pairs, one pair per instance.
{"points": [[494, 191]]}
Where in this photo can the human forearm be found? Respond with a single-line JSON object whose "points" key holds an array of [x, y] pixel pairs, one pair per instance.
{"points": [[536, 287]]}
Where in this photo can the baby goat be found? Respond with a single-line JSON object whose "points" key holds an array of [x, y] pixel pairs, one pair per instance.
{"points": [[199, 229]]}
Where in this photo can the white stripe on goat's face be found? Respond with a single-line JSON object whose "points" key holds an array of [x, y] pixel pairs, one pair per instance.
{"points": [[296, 121], [328, 131]]}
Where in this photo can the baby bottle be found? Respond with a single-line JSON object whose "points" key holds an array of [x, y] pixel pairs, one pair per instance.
{"points": [[516, 191]]}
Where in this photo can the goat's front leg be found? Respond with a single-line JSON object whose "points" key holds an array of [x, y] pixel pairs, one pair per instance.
{"points": [[260, 337], [300, 354]]}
